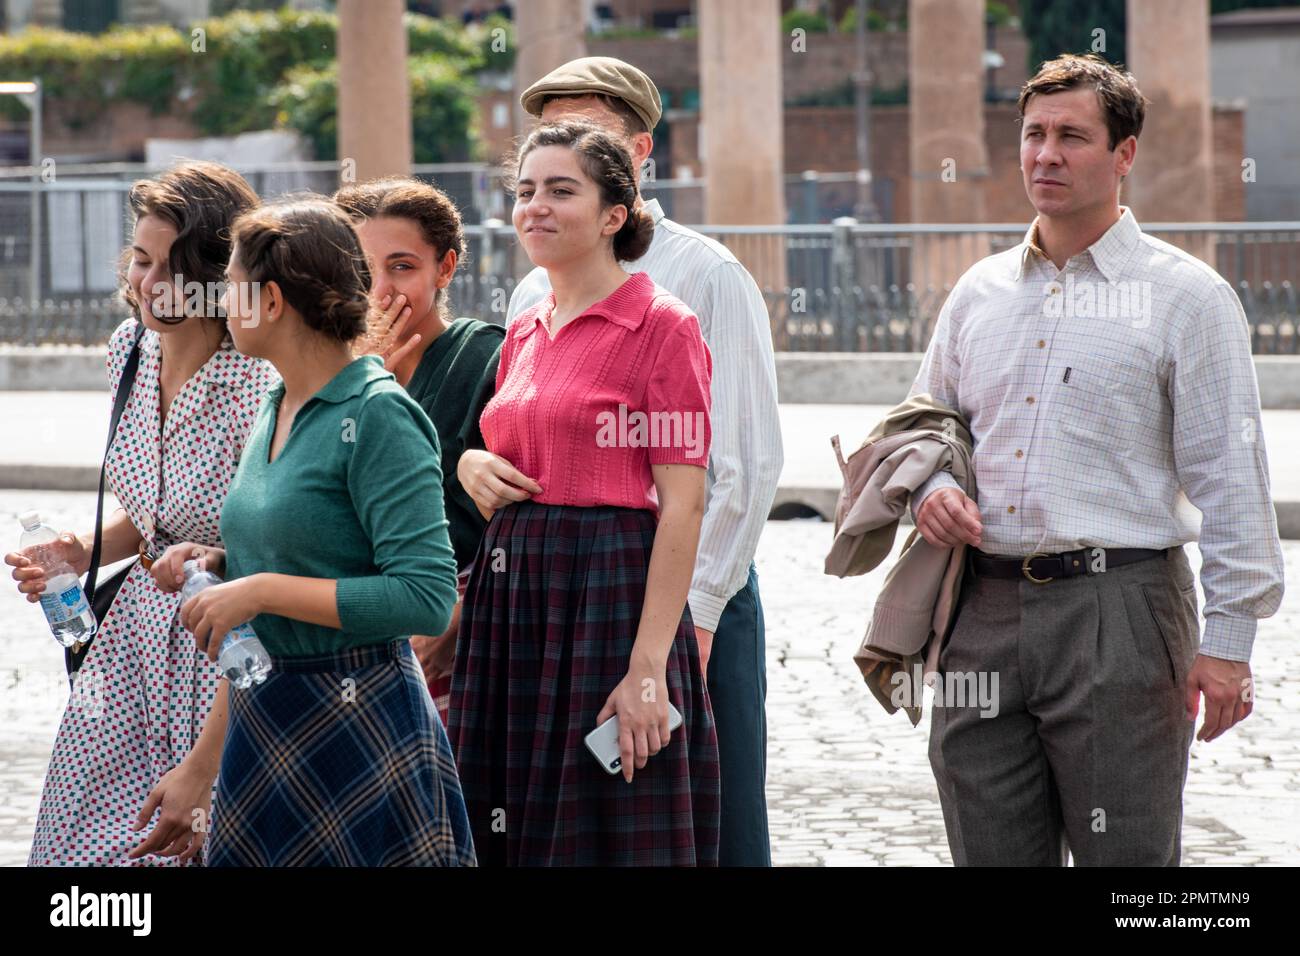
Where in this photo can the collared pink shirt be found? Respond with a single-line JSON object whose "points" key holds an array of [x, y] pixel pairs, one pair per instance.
{"points": [[622, 387]]}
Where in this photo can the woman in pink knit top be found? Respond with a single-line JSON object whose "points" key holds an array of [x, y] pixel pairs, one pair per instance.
{"points": [[597, 445]]}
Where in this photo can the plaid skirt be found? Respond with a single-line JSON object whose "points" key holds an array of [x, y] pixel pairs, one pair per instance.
{"points": [[551, 613], [338, 760]]}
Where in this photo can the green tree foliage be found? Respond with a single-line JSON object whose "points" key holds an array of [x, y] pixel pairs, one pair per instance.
{"points": [[1054, 27], [1066, 26], [804, 20], [84, 73], [252, 70], [442, 109]]}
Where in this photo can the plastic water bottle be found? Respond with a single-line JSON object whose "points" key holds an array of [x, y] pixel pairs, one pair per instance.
{"points": [[63, 600], [243, 659]]}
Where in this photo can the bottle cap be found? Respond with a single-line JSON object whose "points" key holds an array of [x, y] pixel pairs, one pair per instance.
{"points": [[31, 520]]}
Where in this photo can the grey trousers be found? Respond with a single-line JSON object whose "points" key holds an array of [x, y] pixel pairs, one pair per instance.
{"points": [[1081, 740]]}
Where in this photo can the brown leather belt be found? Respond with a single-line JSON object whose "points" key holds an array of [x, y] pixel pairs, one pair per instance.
{"points": [[1041, 568]]}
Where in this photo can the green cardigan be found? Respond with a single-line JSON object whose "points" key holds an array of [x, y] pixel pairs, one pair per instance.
{"points": [[456, 377], [355, 495]]}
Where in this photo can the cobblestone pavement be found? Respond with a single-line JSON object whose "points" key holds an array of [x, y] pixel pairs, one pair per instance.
{"points": [[847, 784]]}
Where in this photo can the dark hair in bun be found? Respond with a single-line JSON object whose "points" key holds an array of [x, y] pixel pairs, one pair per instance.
{"points": [[309, 248], [609, 166]]}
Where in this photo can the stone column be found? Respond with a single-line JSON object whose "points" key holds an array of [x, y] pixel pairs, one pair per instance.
{"points": [[1169, 54], [374, 90], [741, 131], [948, 157], [741, 122], [548, 33], [47, 13]]}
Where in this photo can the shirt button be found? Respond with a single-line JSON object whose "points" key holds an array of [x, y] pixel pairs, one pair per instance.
{"points": [[1042, 344], [1030, 399], [1019, 453], [1011, 510]]}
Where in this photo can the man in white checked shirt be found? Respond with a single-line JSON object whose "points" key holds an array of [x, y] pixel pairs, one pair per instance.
{"points": [[746, 453], [1108, 380]]}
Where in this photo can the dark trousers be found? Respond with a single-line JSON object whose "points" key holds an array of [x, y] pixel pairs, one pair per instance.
{"points": [[737, 685], [1088, 748]]}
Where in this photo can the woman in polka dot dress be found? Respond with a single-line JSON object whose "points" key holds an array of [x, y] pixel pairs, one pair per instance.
{"points": [[143, 692]]}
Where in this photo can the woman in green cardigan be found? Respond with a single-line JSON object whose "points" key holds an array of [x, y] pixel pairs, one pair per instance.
{"points": [[412, 236], [337, 550]]}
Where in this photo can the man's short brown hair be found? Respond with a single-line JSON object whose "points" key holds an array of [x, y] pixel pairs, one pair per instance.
{"points": [[1122, 103]]}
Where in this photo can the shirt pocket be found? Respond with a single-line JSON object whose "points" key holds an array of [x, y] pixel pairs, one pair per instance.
{"points": [[1099, 405]]}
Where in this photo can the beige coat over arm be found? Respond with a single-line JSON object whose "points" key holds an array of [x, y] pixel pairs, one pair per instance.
{"points": [[917, 604]]}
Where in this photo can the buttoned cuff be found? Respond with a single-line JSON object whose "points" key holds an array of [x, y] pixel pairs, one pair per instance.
{"points": [[940, 479], [1229, 637], [706, 609]]}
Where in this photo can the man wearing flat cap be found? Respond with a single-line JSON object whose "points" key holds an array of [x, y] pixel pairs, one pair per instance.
{"points": [[746, 454]]}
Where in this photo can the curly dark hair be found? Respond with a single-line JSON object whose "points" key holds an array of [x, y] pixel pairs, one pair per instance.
{"points": [[200, 200]]}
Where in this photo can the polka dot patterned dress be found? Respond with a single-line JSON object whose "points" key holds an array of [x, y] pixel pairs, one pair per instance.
{"points": [[143, 692]]}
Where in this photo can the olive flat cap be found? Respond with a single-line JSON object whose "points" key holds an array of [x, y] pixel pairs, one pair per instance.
{"points": [[598, 74]]}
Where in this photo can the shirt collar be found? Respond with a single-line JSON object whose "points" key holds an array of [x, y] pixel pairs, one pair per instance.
{"points": [[652, 207], [626, 306], [1109, 253], [350, 381]]}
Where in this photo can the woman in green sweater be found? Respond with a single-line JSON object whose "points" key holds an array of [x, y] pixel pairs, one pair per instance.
{"points": [[337, 550], [412, 237]]}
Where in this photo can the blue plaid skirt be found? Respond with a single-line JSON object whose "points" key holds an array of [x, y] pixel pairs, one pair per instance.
{"points": [[339, 760], [551, 613]]}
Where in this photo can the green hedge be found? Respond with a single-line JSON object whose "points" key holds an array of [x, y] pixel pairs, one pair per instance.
{"points": [[443, 111], [252, 70], [86, 73]]}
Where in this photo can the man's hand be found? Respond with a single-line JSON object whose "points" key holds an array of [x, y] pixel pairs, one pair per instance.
{"points": [[704, 639], [948, 518], [1229, 694]]}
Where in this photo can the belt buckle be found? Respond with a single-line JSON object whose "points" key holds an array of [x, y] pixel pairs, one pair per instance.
{"points": [[1024, 567]]}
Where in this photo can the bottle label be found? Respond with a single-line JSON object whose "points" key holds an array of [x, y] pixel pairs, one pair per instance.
{"points": [[65, 605]]}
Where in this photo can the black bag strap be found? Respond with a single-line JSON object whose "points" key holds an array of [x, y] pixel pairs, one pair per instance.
{"points": [[124, 386]]}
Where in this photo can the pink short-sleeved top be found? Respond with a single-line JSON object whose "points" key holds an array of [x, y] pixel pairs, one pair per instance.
{"points": [[622, 387]]}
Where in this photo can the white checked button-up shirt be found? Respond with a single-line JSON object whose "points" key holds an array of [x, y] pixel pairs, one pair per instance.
{"points": [[746, 453], [1102, 398]]}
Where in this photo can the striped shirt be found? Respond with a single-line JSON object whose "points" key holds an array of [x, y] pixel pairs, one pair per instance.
{"points": [[1103, 398], [746, 454]]}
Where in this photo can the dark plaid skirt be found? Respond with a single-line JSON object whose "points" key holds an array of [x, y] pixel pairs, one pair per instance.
{"points": [[339, 760], [550, 616]]}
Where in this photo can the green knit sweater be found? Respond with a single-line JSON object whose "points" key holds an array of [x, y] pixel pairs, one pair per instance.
{"points": [[355, 495]]}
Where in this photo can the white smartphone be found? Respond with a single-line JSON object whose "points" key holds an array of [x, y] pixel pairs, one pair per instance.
{"points": [[603, 741]]}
